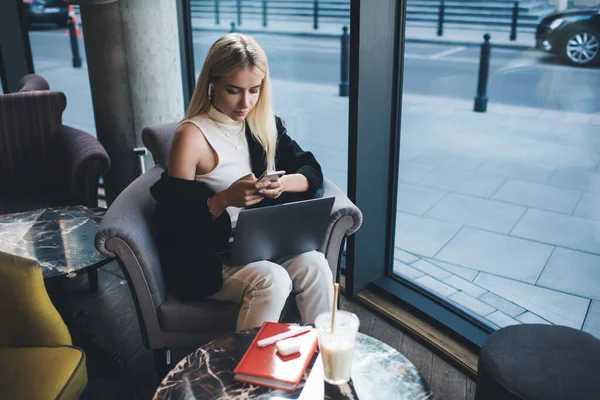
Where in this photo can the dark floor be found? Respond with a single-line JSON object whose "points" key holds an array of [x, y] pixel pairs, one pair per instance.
{"points": [[114, 323]]}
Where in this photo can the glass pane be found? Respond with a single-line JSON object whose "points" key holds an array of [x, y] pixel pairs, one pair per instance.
{"points": [[304, 64], [498, 211], [53, 60]]}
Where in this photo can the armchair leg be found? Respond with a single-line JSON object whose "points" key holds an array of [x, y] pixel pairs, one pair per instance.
{"points": [[162, 361]]}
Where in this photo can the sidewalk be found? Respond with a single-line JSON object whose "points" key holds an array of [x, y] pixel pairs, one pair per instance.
{"points": [[414, 32]]}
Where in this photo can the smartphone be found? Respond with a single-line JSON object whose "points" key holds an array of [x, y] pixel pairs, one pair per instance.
{"points": [[272, 176]]}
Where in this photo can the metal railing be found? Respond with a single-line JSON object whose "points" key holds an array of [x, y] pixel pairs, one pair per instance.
{"points": [[273, 10], [500, 14]]}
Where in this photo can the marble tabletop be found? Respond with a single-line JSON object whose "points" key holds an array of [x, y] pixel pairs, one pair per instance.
{"points": [[61, 239], [378, 372]]}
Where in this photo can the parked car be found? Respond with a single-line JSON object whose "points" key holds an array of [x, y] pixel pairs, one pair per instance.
{"points": [[51, 11], [573, 34]]}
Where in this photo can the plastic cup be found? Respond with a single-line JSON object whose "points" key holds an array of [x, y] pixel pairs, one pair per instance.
{"points": [[337, 347]]}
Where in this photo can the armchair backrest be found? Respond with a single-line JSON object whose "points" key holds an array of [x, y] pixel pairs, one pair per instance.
{"points": [[27, 119], [157, 140], [28, 316]]}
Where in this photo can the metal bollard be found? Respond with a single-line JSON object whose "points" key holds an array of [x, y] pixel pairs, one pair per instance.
{"points": [[74, 43], [345, 63], [264, 13], [513, 24], [481, 99], [440, 27], [316, 14], [217, 19], [232, 27]]}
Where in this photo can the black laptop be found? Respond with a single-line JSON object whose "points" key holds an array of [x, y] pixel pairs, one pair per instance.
{"points": [[269, 233]]}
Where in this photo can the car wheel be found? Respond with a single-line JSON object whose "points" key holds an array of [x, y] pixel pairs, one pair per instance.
{"points": [[583, 47]]}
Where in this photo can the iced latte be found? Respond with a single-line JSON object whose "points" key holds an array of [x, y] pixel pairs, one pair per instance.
{"points": [[337, 347]]}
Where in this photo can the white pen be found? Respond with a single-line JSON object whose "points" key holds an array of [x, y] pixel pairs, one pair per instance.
{"points": [[274, 339]]}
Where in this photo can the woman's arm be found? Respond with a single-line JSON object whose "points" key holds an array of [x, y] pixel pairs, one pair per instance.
{"points": [[303, 170]]}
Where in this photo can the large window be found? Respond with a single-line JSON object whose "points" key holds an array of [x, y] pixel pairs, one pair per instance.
{"points": [[494, 215], [53, 60]]}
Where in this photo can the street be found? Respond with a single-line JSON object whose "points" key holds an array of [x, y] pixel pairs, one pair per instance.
{"points": [[522, 78]]}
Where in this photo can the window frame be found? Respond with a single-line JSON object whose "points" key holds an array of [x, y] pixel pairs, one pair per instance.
{"points": [[375, 116]]}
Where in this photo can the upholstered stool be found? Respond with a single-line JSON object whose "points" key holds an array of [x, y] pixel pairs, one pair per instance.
{"points": [[535, 361]]}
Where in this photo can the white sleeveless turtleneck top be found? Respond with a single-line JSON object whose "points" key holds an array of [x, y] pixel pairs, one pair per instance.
{"points": [[228, 138]]}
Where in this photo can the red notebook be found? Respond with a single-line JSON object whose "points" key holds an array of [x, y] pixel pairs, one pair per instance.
{"points": [[266, 367]]}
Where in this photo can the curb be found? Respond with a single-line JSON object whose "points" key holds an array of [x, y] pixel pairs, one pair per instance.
{"points": [[336, 36]]}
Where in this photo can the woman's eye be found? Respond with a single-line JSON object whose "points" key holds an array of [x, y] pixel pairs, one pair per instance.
{"points": [[232, 92], [254, 91]]}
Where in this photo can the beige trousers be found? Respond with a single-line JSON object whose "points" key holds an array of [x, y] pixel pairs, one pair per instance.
{"points": [[262, 288]]}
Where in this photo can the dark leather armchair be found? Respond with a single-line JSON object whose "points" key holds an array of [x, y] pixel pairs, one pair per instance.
{"points": [[44, 163], [127, 234]]}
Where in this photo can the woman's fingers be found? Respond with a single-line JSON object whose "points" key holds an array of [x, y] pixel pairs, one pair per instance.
{"points": [[270, 192], [253, 202], [262, 185]]}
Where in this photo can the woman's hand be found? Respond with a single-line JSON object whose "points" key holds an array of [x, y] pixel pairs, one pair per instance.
{"points": [[275, 189], [244, 192]]}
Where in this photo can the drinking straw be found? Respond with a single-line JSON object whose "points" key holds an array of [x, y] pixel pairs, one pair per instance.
{"points": [[336, 287]]}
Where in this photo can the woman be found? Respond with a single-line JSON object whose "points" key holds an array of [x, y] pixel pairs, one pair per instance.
{"points": [[228, 137]]}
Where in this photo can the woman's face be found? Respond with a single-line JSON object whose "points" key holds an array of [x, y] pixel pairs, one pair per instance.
{"points": [[237, 94]]}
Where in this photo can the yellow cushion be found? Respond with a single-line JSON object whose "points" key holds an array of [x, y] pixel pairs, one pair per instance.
{"points": [[42, 372]]}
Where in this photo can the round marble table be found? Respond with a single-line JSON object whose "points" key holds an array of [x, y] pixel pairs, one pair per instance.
{"points": [[60, 239], [378, 372]]}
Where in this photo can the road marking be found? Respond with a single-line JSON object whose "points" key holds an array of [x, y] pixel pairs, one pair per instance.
{"points": [[506, 67], [445, 53]]}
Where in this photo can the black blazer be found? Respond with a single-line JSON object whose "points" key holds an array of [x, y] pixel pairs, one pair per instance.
{"points": [[188, 235]]}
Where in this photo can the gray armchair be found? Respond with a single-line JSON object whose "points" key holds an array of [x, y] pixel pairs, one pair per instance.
{"points": [[127, 234]]}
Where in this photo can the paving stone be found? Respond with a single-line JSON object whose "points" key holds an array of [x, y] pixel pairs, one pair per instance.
{"points": [[417, 200], [436, 286], [501, 319], [592, 321], [497, 254], [403, 256], [491, 215], [463, 181], [471, 303], [517, 169], [466, 273], [531, 318], [586, 181], [588, 206], [422, 236], [560, 230], [572, 272], [464, 285], [507, 307], [556, 307], [538, 195], [431, 269], [406, 270]]}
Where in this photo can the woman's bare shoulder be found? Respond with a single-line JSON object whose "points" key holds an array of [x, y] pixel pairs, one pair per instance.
{"points": [[188, 146]]}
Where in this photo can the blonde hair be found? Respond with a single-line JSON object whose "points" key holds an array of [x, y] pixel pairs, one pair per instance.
{"points": [[229, 54]]}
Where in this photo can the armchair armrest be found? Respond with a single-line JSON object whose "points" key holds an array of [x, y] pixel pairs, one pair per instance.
{"points": [[127, 234], [345, 219], [84, 161]]}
